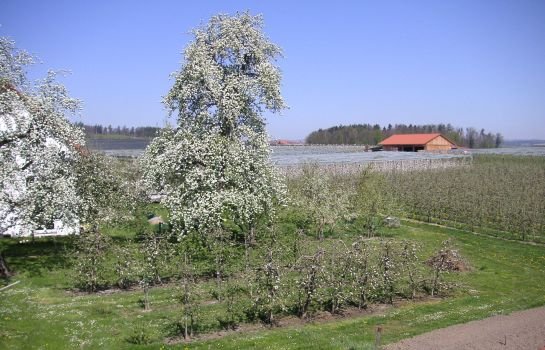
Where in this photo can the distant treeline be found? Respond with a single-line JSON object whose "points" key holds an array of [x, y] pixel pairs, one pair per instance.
{"points": [[139, 131], [367, 134]]}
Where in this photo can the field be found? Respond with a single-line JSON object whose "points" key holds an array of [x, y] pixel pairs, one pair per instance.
{"points": [[251, 296], [498, 195], [293, 155], [40, 312]]}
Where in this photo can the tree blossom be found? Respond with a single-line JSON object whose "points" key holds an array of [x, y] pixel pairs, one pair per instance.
{"points": [[38, 147], [214, 164]]}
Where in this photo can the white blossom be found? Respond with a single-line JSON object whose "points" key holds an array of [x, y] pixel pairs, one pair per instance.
{"points": [[38, 147], [214, 164]]}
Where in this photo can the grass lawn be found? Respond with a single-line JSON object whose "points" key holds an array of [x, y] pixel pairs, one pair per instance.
{"points": [[39, 312]]}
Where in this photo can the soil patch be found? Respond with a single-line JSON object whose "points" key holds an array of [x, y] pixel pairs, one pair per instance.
{"points": [[519, 330], [290, 322], [449, 260]]}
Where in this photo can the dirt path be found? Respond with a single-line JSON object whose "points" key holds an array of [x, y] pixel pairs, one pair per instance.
{"points": [[524, 330]]}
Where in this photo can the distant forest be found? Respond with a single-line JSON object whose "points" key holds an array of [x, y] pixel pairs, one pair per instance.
{"points": [[367, 134], [97, 129]]}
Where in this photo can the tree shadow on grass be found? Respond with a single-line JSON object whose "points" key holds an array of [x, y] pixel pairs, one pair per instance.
{"points": [[34, 257]]}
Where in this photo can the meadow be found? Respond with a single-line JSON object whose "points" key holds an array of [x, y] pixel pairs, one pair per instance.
{"points": [[329, 236]]}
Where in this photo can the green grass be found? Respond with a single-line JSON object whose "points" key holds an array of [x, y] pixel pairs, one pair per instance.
{"points": [[507, 276], [39, 312]]}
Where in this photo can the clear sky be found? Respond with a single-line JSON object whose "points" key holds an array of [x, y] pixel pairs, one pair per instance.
{"points": [[468, 63]]}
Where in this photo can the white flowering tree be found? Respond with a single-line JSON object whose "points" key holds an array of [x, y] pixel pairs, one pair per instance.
{"points": [[213, 165], [46, 173], [38, 147]]}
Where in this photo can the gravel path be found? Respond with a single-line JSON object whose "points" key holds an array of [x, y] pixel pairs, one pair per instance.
{"points": [[524, 330]]}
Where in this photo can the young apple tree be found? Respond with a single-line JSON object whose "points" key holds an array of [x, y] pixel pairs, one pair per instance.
{"points": [[320, 195]]}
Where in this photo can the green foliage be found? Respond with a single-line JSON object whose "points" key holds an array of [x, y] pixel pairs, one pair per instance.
{"points": [[309, 272], [388, 271], [126, 266], [91, 250], [75, 320], [268, 291], [336, 289], [320, 196], [141, 335], [103, 187], [363, 274], [373, 201], [323, 200], [409, 263], [234, 314], [157, 254], [367, 134], [497, 195], [187, 297]]}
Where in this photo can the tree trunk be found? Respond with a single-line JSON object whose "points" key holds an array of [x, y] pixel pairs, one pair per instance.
{"points": [[192, 321], [363, 301], [247, 251], [146, 298], [321, 231], [219, 269], [271, 317], [4, 270]]}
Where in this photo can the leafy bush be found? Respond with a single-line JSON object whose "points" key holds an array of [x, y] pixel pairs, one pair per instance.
{"points": [[90, 255], [141, 335]]}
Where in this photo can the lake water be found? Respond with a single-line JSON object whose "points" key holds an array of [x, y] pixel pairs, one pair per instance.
{"points": [[291, 155]]}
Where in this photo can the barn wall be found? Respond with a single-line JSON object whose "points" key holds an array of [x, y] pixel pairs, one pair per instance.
{"points": [[438, 144], [438, 147]]}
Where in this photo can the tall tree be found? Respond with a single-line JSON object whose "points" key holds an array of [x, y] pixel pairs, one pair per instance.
{"points": [[47, 174], [38, 147], [372, 134], [214, 164]]}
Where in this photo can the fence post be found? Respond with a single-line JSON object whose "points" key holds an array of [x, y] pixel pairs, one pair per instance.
{"points": [[378, 335]]}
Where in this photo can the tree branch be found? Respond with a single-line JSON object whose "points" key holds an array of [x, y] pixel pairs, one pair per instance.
{"points": [[17, 137]]}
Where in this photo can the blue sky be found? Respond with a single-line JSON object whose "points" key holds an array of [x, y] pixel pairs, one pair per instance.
{"points": [[468, 63]]}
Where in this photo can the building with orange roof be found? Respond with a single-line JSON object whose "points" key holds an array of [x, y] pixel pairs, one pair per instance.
{"points": [[417, 142]]}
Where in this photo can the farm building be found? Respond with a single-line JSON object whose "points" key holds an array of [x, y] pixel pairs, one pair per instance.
{"points": [[417, 142]]}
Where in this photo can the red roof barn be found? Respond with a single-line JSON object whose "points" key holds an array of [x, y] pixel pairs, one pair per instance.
{"points": [[417, 142]]}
